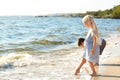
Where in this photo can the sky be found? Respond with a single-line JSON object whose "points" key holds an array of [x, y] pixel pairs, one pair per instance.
{"points": [[46, 7]]}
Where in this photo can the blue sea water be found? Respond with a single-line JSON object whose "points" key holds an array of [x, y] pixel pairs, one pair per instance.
{"points": [[25, 39], [30, 33]]}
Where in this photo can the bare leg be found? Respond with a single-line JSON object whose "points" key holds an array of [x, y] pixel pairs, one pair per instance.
{"points": [[96, 64], [92, 68], [81, 64]]}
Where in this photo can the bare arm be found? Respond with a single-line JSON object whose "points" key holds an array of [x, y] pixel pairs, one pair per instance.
{"points": [[94, 45]]}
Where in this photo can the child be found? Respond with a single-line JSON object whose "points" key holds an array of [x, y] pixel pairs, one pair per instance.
{"points": [[80, 44], [91, 45]]}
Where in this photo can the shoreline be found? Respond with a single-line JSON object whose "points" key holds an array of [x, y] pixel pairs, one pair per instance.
{"points": [[61, 64]]}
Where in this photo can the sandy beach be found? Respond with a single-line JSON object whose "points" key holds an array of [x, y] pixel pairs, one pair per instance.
{"points": [[109, 68]]}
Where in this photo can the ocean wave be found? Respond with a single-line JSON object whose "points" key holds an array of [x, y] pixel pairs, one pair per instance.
{"points": [[25, 49], [48, 42], [15, 49], [32, 46], [17, 60], [22, 49]]}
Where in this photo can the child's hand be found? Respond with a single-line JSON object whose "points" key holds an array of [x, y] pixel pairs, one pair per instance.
{"points": [[92, 51]]}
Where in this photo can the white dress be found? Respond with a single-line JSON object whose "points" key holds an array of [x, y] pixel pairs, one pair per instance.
{"points": [[88, 46]]}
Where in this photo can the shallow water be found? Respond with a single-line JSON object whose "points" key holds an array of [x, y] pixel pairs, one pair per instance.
{"points": [[45, 67], [44, 48]]}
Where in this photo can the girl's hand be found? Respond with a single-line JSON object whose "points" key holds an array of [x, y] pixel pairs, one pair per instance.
{"points": [[92, 51]]}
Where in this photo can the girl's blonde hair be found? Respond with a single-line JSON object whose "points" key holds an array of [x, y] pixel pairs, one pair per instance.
{"points": [[94, 27]]}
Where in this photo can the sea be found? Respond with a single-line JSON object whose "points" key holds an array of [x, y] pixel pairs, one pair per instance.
{"points": [[43, 48]]}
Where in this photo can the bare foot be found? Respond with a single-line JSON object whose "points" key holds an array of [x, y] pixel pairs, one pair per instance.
{"points": [[93, 74], [77, 71]]}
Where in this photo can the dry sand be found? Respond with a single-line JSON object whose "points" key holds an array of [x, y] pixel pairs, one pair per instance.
{"points": [[109, 69]]}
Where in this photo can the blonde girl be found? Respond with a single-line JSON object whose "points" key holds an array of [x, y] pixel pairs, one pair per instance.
{"points": [[91, 44]]}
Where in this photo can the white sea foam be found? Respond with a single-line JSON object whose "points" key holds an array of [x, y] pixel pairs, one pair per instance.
{"points": [[17, 59]]}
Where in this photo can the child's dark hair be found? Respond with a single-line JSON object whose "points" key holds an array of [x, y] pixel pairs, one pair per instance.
{"points": [[80, 41]]}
